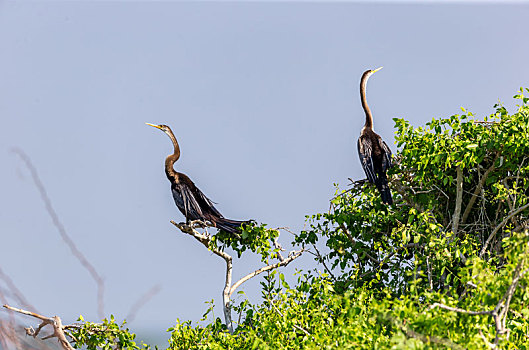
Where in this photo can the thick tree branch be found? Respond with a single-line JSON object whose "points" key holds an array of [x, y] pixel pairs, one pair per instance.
{"points": [[205, 239], [459, 199], [478, 189]]}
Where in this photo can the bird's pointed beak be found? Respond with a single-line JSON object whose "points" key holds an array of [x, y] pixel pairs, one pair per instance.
{"points": [[376, 70], [156, 126]]}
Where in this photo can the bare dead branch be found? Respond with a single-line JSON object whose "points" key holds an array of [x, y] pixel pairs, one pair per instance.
{"points": [[142, 301], [429, 269], [7, 330], [15, 291], [489, 344], [478, 189], [205, 239], [62, 231], [285, 262], [278, 246], [500, 311], [429, 338], [440, 190], [500, 226], [293, 325], [484, 122], [320, 259], [347, 233], [55, 322], [386, 259], [401, 189], [456, 309]]}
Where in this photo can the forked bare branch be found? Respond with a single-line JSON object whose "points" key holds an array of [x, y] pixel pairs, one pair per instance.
{"points": [[500, 226], [229, 289], [500, 311], [55, 322], [293, 256]]}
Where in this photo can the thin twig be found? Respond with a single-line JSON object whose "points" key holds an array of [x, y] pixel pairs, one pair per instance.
{"points": [[386, 259], [499, 313], [478, 189], [293, 325], [285, 262], [62, 231], [320, 258], [497, 228], [142, 301], [16, 292]]}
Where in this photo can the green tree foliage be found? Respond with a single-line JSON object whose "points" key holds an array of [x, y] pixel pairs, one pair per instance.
{"points": [[444, 267], [107, 335]]}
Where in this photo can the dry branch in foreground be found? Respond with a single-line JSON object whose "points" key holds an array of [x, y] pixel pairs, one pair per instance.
{"points": [[55, 322], [62, 231]]}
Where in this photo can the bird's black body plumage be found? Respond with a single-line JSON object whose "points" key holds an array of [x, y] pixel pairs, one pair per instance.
{"points": [[375, 155], [188, 197]]}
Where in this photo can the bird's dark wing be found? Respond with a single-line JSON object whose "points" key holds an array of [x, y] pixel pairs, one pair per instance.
{"points": [[187, 203], [365, 151], [191, 201], [205, 203], [386, 159]]}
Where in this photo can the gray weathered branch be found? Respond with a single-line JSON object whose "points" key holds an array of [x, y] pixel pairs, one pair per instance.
{"points": [[500, 226], [205, 239], [499, 313], [285, 262], [459, 199], [55, 322]]}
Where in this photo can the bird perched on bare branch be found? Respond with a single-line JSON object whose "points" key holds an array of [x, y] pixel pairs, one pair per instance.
{"points": [[188, 198]]}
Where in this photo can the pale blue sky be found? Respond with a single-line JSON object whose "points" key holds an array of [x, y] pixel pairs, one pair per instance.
{"points": [[263, 98]]}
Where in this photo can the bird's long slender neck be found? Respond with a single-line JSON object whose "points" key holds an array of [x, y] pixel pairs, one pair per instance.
{"points": [[369, 116], [171, 159]]}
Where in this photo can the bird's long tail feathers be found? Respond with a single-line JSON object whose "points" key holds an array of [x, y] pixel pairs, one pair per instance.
{"points": [[230, 226], [383, 188]]}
